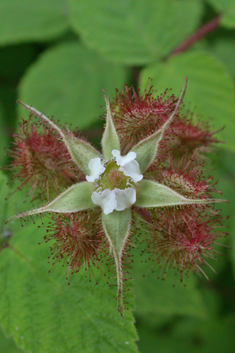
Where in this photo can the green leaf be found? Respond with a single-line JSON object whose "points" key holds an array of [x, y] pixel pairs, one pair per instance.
{"points": [[169, 297], [220, 5], [43, 314], [117, 229], [146, 150], [80, 151], [135, 32], [11, 203], [223, 47], [8, 345], [75, 198], [190, 335], [110, 140], [165, 298], [3, 140], [67, 81], [228, 19], [4, 192], [24, 21], [224, 171], [152, 194], [210, 88]]}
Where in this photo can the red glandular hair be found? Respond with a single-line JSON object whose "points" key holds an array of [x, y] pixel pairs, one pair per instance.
{"points": [[192, 135], [41, 160], [187, 178], [182, 238], [78, 238], [136, 116]]}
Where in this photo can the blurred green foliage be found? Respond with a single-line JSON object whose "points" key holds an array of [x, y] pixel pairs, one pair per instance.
{"points": [[58, 55]]}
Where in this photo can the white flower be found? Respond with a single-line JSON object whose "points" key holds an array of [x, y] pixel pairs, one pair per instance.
{"points": [[106, 199], [96, 169], [125, 198], [116, 199], [128, 165]]}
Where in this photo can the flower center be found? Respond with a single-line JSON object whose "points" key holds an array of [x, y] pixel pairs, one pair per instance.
{"points": [[115, 182], [113, 178]]}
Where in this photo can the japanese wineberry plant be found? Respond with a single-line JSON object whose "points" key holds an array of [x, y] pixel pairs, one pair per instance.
{"points": [[149, 174]]}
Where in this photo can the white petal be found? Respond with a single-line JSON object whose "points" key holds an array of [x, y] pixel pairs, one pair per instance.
{"points": [[132, 169], [125, 198], [105, 199], [122, 160], [96, 169]]}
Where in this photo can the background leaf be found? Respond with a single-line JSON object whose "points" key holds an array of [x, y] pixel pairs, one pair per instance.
{"points": [[8, 345], [215, 335], [223, 47], [220, 4], [210, 88], [224, 171], [67, 82], [228, 19], [3, 139], [155, 297], [27, 20], [134, 32], [4, 192], [44, 314]]}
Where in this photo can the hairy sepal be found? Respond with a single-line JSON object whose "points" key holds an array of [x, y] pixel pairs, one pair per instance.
{"points": [[153, 194], [74, 199], [117, 229], [80, 151], [110, 140], [147, 149]]}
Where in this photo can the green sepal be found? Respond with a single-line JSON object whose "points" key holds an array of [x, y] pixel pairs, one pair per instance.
{"points": [[80, 151], [75, 198], [146, 150], [152, 194], [110, 140], [117, 229]]}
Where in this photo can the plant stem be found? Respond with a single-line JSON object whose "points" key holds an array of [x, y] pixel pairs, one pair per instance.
{"points": [[202, 32]]}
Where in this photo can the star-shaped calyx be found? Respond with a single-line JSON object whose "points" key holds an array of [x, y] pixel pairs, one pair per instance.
{"points": [[114, 183]]}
